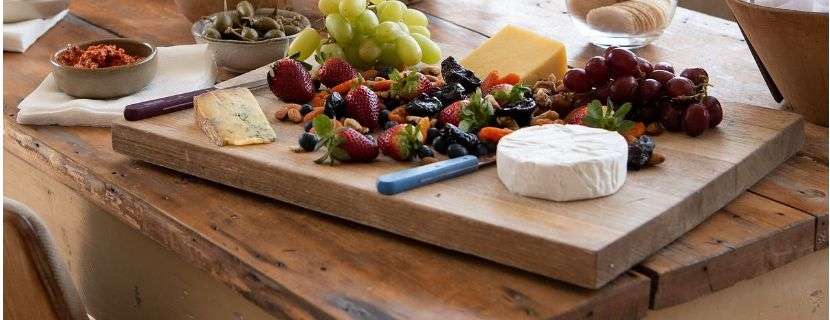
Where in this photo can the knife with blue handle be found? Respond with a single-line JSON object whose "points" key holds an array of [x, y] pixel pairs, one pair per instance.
{"points": [[400, 181]]}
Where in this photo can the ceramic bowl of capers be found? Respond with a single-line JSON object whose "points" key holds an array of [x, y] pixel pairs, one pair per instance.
{"points": [[246, 38]]}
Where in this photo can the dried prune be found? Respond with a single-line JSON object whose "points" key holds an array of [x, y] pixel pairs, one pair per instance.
{"points": [[450, 93], [452, 134], [521, 111], [424, 106], [639, 152], [454, 73]]}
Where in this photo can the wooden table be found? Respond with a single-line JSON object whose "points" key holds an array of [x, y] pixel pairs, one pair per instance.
{"points": [[293, 263]]}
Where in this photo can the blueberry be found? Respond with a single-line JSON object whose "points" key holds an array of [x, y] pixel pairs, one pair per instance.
{"points": [[308, 141], [424, 151], [456, 150], [308, 125], [390, 124], [384, 72], [431, 134], [305, 109], [481, 149], [383, 117], [440, 144]]}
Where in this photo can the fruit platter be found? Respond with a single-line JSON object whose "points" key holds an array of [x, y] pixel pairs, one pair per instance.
{"points": [[575, 173]]}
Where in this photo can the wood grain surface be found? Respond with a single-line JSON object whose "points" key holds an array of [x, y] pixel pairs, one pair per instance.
{"points": [[291, 262], [83, 159], [587, 243], [26, 296]]}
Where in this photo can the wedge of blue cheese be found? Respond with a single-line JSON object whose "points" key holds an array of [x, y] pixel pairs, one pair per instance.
{"points": [[232, 117]]}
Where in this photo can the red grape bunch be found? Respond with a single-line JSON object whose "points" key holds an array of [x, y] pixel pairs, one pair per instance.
{"points": [[677, 102]]}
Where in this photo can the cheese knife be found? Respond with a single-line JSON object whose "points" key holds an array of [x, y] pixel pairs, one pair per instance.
{"points": [[403, 180], [160, 106]]}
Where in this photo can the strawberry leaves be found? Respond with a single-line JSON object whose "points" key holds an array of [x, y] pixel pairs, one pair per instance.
{"points": [[476, 114], [514, 95], [407, 85], [329, 140], [605, 117]]}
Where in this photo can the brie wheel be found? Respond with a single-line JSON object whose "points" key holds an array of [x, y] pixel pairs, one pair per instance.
{"points": [[562, 162]]}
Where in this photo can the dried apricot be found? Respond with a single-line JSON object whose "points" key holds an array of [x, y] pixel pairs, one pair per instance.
{"points": [[637, 130], [493, 134]]}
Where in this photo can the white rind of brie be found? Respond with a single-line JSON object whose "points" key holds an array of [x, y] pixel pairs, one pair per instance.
{"points": [[562, 162]]}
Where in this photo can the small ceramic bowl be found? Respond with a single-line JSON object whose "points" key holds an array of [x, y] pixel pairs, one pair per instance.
{"points": [[242, 56], [111, 82]]}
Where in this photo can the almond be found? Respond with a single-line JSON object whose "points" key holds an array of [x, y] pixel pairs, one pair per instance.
{"points": [[281, 113], [294, 115], [656, 159], [352, 123], [541, 121]]}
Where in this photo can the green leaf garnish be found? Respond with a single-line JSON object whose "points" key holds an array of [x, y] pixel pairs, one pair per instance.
{"points": [[605, 117], [405, 86], [476, 114], [515, 95], [322, 126]]}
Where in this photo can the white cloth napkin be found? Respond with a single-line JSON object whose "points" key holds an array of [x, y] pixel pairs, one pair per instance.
{"points": [[19, 36], [180, 69]]}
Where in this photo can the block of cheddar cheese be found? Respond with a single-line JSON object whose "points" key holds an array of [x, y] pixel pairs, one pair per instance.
{"points": [[232, 117], [520, 51]]}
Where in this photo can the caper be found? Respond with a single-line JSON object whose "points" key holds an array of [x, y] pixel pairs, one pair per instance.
{"points": [[212, 33], [274, 33], [249, 34], [263, 24], [245, 9], [223, 21]]}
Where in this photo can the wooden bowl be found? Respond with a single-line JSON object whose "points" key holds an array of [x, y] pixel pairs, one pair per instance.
{"points": [[107, 83], [792, 45]]}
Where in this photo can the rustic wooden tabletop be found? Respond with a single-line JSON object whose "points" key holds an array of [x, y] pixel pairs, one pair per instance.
{"points": [[297, 264]]}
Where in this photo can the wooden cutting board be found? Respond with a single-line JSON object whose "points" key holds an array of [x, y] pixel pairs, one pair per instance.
{"points": [[587, 243]]}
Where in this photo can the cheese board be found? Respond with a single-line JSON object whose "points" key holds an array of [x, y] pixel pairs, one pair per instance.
{"points": [[596, 168], [587, 243]]}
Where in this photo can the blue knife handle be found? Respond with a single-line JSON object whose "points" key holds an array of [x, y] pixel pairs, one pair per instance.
{"points": [[400, 181]]}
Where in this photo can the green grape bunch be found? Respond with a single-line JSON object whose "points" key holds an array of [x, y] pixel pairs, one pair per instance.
{"points": [[369, 34]]}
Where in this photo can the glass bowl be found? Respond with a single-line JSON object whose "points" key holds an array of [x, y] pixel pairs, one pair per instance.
{"points": [[628, 24]]}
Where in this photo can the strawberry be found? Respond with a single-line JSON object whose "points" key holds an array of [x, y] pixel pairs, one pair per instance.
{"points": [[400, 142], [343, 144], [335, 71], [290, 81], [409, 85], [452, 113], [362, 104], [576, 116]]}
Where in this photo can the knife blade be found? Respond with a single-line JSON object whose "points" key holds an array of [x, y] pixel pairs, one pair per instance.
{"points": [[160, 106], [408, 179]]}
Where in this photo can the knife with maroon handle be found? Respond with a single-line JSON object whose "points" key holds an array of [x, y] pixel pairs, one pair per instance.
{"points": [[160, 106]]}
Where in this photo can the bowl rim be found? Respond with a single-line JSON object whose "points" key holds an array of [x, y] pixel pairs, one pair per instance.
{"points": [[152, 56], [306, 24], [779, 10]]}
